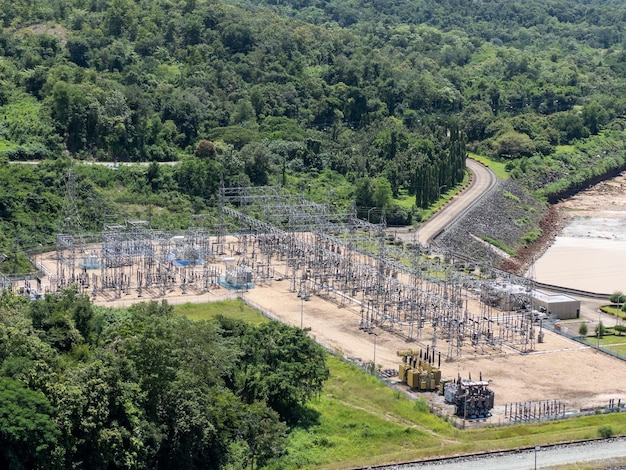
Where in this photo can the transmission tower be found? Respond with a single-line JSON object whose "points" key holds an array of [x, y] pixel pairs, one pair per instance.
{"points": [[70, 236]]}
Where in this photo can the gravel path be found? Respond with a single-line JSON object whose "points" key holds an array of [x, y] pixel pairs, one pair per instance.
{"points": [[525, 459]]}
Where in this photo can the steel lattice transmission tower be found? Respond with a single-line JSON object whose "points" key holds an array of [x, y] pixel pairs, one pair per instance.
{"points": [[70, 236]]}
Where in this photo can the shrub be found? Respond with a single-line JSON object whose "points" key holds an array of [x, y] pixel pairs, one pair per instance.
{"points": [[618, 297], [531, 237], [398, 215], [511, 196], [605, 432], [619, 329], [421, 406]]}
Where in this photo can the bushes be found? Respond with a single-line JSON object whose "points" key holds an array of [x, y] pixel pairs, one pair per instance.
{"points": [[619, 329], [531, 237], [399, 215], [605, 432], [26, 152]]}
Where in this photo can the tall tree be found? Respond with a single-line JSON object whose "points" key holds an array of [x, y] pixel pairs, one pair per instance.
{"points": [[282, 366], [28, 432]]}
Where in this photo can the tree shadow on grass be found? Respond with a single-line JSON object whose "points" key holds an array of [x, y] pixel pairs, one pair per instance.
{"points": [[304, 417]]}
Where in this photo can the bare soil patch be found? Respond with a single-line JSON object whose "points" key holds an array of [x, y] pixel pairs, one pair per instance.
{"points": [[558, 368], [45, 28]]}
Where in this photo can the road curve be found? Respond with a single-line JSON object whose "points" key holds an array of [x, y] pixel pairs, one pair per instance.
{"points": [[483, 180]]}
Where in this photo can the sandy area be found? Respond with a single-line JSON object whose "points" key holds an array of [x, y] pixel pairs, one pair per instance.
{"points": [[558, 368], [590, 252]]}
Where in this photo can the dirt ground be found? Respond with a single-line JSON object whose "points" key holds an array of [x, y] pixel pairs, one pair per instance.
{"points": [[557, 368], [603, 198]]}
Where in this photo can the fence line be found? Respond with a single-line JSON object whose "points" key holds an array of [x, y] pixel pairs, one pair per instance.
{"points": [[556, 329]]}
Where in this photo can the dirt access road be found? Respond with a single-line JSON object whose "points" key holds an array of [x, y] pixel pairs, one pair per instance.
{"points": [[483, 180]]}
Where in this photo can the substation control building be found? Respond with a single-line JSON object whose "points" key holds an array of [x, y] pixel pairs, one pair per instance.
{"points": [[509, 296], [560, 306]]}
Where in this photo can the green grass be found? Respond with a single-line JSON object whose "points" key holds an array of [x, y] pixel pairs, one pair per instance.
{"points": [[405, 200], [235, 309], [565, 148], [5, 144], [613, 310], [499, 244], [499, 168], [363, 422], [612, 339], [530, 237], [618, 348]]}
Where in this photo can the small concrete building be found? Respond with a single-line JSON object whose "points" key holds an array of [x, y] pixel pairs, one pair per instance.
{"points": [[559, 306], [508, 296]]}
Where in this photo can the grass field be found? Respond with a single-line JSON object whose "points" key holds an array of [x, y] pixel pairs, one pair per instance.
{"points": [[614, 310], [618, 349], [607, 340], [235, 309], [359, 421], [363, 422], [499, 168]]}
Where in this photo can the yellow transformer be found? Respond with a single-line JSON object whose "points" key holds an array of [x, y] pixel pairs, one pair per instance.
{"points": [[417, 372], [412, 378]]}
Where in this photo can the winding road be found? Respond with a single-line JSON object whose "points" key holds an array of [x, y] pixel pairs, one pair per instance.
{"points": [[483, 180]]}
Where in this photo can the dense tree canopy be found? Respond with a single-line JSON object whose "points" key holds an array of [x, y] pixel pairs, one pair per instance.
{"points": [[137, 80], [266, 92], [143, 388], [339, 100]]}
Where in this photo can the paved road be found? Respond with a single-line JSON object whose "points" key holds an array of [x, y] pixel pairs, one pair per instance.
{"points": [[483, 180], [525, 459]]}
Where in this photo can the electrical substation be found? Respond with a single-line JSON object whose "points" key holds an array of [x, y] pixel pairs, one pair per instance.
{"points": [[443, 307], [471, 399], [263, 234]]}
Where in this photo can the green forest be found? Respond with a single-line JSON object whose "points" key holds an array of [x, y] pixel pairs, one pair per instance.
{"points": [[98, 388], [373, 104]]}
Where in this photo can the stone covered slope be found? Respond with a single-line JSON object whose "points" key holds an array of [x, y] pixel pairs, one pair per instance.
{"points": [[504, 223]]}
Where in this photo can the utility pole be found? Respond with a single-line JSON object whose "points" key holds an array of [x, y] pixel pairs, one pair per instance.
{"points": [[537, 448], [374, 361], [368, 213], [599, 328]]}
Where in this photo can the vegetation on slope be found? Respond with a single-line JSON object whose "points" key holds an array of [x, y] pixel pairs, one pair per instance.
{"points": [[385, 97], [357, 420], [143, 388]]}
